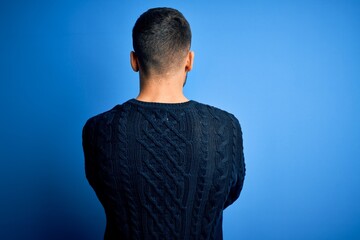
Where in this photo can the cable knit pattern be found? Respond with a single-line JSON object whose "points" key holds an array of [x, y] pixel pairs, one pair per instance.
{"points": [[200, 192], [164, 171]]}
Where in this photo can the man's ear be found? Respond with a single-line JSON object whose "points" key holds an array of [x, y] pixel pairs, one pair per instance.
{"points": [[189, 61], [134, 61]]}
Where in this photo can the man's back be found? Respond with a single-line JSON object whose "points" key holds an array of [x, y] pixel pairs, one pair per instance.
{"points": [[162, 170]]}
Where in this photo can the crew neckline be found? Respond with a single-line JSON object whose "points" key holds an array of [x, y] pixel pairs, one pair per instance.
{"points": [[160, 104]]}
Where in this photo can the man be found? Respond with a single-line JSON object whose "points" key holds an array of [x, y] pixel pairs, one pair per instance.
{"points": [[163, 166]]}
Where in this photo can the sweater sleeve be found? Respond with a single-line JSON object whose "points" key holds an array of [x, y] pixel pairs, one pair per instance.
{"points": [[238, 164], [89, 150]]}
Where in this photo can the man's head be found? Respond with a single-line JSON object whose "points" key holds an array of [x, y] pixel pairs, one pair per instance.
{"points": [[161, 40]]}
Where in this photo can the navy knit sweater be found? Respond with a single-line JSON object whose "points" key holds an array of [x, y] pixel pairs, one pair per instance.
{"points": [[164, 171]]}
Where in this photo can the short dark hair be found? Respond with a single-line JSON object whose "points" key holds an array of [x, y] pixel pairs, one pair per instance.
{"points": [[161, 39]]}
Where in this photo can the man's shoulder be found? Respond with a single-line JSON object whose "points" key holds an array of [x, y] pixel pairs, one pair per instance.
{"points": [[217, 112], [103, 117]]}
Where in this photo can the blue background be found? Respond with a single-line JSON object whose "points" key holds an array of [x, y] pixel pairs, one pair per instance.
{"points": [[289, 70]]}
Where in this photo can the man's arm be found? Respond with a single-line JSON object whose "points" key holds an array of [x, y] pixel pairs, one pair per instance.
{"points": [[239, 164], [89, 150]]}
